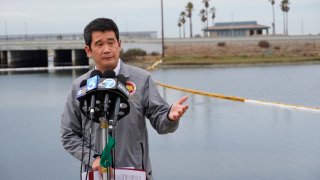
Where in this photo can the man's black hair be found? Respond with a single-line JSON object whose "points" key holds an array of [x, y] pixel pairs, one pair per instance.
{"points": [[99, 24]]}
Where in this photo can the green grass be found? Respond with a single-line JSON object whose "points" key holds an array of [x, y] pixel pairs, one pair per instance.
{"points": [[234, 60]]}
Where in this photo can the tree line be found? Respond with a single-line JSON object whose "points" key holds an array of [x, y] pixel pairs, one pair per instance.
{"points": [[284, 5], [207, 10]]}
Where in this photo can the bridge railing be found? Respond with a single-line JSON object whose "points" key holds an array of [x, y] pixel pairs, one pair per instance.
{"points": [[27, 37], [74, 36]]}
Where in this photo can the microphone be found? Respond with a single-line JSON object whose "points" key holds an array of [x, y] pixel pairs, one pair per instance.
{"points": [[85, 105], [83, 83], [106, 93], [92, 83], [107, 74], [122, 79], [82, 88]]}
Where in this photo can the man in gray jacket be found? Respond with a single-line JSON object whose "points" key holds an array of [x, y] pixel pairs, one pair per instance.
{"points": [[132, 149]]}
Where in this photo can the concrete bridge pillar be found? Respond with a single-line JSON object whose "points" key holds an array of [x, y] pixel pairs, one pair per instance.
{"points": [[79, 57], [28, 58], [3, 59], [51, 55]]}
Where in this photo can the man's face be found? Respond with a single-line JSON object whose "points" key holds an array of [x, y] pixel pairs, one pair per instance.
{"points": [[105, 50]]}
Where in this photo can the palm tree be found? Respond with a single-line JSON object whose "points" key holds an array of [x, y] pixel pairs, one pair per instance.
{"points": [[273, 23], [189, 9], [183, 21], [179, 25], [285, 8], [284, 19], [162, 30], [206, 5], [213, 11], [203, 19]]}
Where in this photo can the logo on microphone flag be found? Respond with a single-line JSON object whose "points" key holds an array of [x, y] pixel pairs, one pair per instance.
{"points": [[92, 83], [109, 83], [81, 91]]}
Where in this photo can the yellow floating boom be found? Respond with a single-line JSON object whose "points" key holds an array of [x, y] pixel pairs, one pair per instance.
{"points": [[233, 98], [221, 96]]}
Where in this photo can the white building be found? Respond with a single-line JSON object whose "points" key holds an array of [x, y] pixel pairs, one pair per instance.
{"points": [[236, 29]]}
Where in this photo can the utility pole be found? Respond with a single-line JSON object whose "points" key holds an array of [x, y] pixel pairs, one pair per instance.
{"points": [[25, 30], [6, 29], [232, 34], [162, 29], [274, 21], [302, 27]]}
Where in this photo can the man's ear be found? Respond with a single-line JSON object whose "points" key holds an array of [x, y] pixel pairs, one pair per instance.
{"points": [[119, 42], [88, 51]]}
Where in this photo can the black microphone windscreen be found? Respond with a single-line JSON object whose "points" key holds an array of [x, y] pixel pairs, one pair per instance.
{"points": [[122, 79], [109, 74], [83, 83], [95, 73]]}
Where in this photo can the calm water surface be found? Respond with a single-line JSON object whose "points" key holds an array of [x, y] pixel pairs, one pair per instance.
{"points": [[217, 139]]}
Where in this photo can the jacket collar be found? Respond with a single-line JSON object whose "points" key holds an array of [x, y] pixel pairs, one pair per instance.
{"points": [[123, 69]]}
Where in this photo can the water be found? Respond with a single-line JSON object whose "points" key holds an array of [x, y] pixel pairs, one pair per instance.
{"points": [[217, 139]]}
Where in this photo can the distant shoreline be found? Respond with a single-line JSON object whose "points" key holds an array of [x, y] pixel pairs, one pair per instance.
{"points": [[217, 62]]}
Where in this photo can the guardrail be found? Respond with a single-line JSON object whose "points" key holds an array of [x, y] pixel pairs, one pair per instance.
{"points": [[31, 37]]}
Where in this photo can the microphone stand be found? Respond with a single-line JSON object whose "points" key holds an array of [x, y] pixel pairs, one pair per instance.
{"points": [[105, 131], [112, 128], [106, 175]]}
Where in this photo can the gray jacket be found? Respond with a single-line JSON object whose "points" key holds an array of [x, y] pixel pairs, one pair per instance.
{"points": [[132, 147]]}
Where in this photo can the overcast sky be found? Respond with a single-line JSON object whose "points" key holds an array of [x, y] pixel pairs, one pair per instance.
{"points": [[66, 16]]}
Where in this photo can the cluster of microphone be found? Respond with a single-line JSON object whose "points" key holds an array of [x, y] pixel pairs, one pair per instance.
{"points": [[103, 95]]}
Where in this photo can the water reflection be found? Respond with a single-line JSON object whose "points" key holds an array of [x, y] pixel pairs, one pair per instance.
{"points": [[74, 73], [217, 139], [235, 140]]}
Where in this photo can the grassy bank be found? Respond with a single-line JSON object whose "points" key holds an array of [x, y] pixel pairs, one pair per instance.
{"points": [[205, 61], [140, 58], [237, 60]]}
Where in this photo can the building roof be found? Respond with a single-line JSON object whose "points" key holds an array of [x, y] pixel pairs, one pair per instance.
{"points": [[236, 26]]}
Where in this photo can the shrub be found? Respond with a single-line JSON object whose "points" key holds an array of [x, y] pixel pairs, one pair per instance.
{"points": [[264, 44], [277, 48], [135, 52], [221, 44], [131, 54], [153, 53]]}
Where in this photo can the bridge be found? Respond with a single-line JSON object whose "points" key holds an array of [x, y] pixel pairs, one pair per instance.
{"points": [[54, 50]]}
